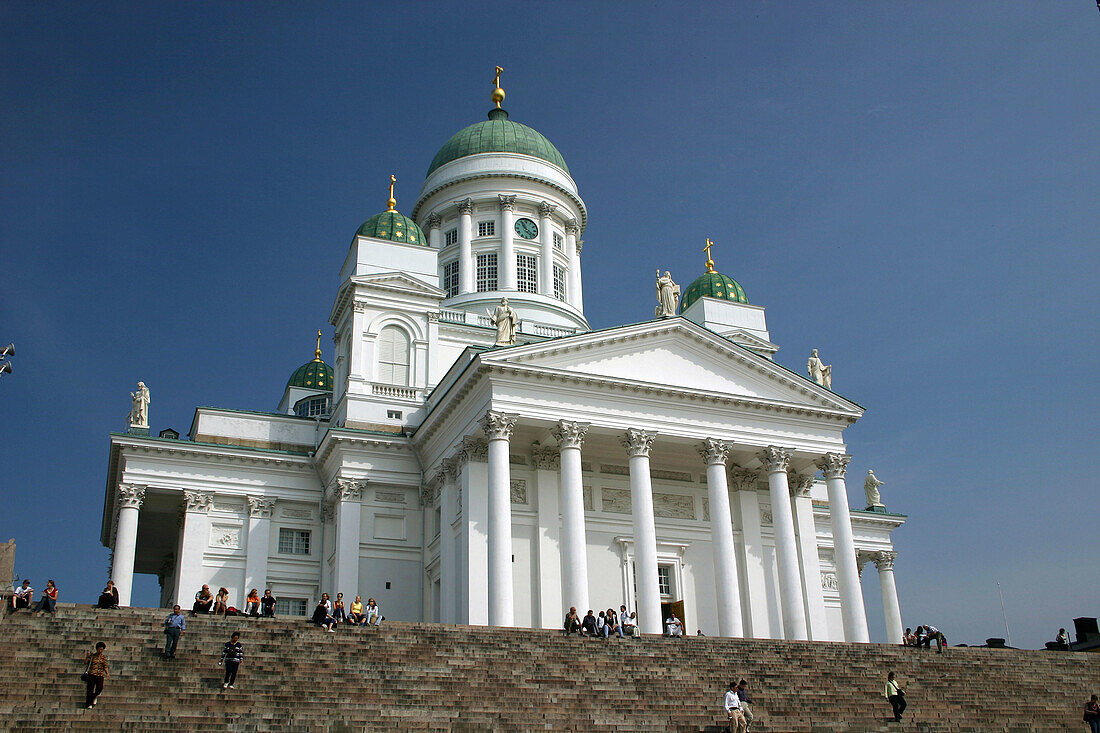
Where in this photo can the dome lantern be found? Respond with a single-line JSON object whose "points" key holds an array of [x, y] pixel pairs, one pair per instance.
{"points": [[314, 374], [392, 225], [712, 284]]}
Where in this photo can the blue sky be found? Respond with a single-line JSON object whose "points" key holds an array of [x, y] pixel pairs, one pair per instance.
{"points": [[909, 187]]}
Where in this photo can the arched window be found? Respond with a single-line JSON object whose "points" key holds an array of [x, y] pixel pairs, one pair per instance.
{"points": [[393, 356]]}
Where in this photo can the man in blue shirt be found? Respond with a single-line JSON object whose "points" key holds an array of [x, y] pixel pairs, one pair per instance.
{"points": [[174, 625]]}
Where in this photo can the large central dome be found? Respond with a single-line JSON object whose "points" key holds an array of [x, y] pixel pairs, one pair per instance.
{"points": [[498, 134]]}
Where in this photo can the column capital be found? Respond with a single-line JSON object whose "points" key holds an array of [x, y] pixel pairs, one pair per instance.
{"points": [[349, 489], [884, 560], [862, 558], [800, 483], [637, 442], [546, 209], [833, 465], [471, 449], [775, 459], [131, 495], [434, 221], [449, 469], [714, 452], [507, 202], [328, 512], [580, 245], [260, 507], [572, 227], [429, 491], [546, 458], [570, 434], [498, 425], [742, 479], [198, 501], [465, 206]]}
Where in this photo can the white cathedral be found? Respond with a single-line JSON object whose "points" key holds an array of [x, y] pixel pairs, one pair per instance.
{"points": [[468, 462]]}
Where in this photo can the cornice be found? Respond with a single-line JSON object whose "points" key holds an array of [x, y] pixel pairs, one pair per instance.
{"points": [[337, 436], [239, 455], [425, 195]]}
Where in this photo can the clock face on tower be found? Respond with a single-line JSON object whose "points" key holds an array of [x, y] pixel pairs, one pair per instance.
{"points": [[527, 228]]}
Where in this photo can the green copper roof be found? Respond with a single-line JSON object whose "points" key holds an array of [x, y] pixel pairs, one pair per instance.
{"points": [[313, 375], [713, 285], [392, 226], [498, 134]]}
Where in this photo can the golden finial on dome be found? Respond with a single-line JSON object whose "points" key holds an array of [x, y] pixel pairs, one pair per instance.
{"points": [[710, 262], [317, 353], [498, 93], [392, 203]]}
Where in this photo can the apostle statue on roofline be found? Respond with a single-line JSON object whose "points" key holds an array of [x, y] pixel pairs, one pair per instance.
{"points": [[139, 411], [506, 320], [870, 488], [668, 296], [820, 372]]}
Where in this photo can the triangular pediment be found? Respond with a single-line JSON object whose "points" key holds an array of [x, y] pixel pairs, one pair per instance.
{"points": [[398, 282], [677, 355]]}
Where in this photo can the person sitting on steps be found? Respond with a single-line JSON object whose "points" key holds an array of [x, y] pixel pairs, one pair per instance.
{"points": [[49, 600], [613, 625], [252, 603], [109, 597], [204, 601], [355, 615], [338, 611], [322, 615], [572, 622], [374, 613], [588, 625], [22, 596], [268, 604], [221, 601]]}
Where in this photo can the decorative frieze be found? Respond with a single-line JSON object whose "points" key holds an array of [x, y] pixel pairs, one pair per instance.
{"points": [[714, 452], [290, 513], [589, 499], [775, 459], [497, 425], [198, 501], [766, 514], [706, 511], [225, 536], [399, 497], [614, 470], [829, 582], [262, 507], [546, 459], [570, 434], [663, 475], [637, 442], [615, 501], [674, 506], [131, 496], [518, 491], [833, 465], [228, 506], [517, 460]]}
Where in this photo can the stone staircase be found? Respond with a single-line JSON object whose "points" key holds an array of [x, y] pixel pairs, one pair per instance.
{"points": [[472, 679]]}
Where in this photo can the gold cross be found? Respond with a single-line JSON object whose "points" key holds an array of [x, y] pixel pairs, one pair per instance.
{"points": [[710, 262]]}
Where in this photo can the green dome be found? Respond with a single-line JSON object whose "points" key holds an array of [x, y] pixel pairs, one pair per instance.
{"points": [[392, 226], [314, 375], [713, 285], [497, 134]]}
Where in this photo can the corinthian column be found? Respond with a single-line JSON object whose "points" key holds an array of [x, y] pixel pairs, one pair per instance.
{"points": [[465, 246], [637, 444], [574, 556], [884, 561], [128, 499], [546, 262], [776, 461], [507, 251], [196, 536], [834, 466], [714, 454], [498, 428], [573, 287]]}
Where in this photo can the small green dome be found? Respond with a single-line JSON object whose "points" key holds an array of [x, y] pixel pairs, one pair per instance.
{"points": [[713, 285], [393, 226], [314, 375], [497, 134]]}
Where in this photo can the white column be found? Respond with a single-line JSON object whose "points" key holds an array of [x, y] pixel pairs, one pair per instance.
{"points": [[448, 569], [801, 484], [728, 589], [471, 538], [196, 536], [507, 264], [574, 553], [435, 234], [260, 511], [834, 466], [546, 259], [547, 465], [348, 498], [884, 561], [572, 251], [465, 247], [128, 499], [356, 370], [637, 444], [776, 460], [498, 429], [756, 578]]}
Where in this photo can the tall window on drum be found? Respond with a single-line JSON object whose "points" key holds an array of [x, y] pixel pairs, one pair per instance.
{"points": [[450, 278], [527, 274], [393, 356], [486, 272], [559, 282]]}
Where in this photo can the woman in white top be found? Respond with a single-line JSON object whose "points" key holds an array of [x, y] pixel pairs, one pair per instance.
{"points": [[373, 613]]}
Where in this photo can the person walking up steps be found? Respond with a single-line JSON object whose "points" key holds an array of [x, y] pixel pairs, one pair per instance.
{"points": [[174, 625], [232, 656]]}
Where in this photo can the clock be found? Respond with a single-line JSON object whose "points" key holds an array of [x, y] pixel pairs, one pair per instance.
{"points": [[527, 228]]}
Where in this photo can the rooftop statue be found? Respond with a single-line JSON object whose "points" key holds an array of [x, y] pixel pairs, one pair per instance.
{"points": [[870, 487], [506, 320], [668, 296], [820, 372], [139, 412]]}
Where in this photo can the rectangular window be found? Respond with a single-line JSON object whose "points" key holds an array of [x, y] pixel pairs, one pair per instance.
{"points": [[559, 282], [486, 228], [290, 607], [486, 272], [450, 237], [293, 541], [450, 278], [559, 243], [393, 414], [527, 274], [664, 580]]}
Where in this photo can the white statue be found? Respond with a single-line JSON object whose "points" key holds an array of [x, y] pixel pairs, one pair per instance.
{"points": [[820, 372], [506, 320], [870, 487], [139, 413], [668, 296]]}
